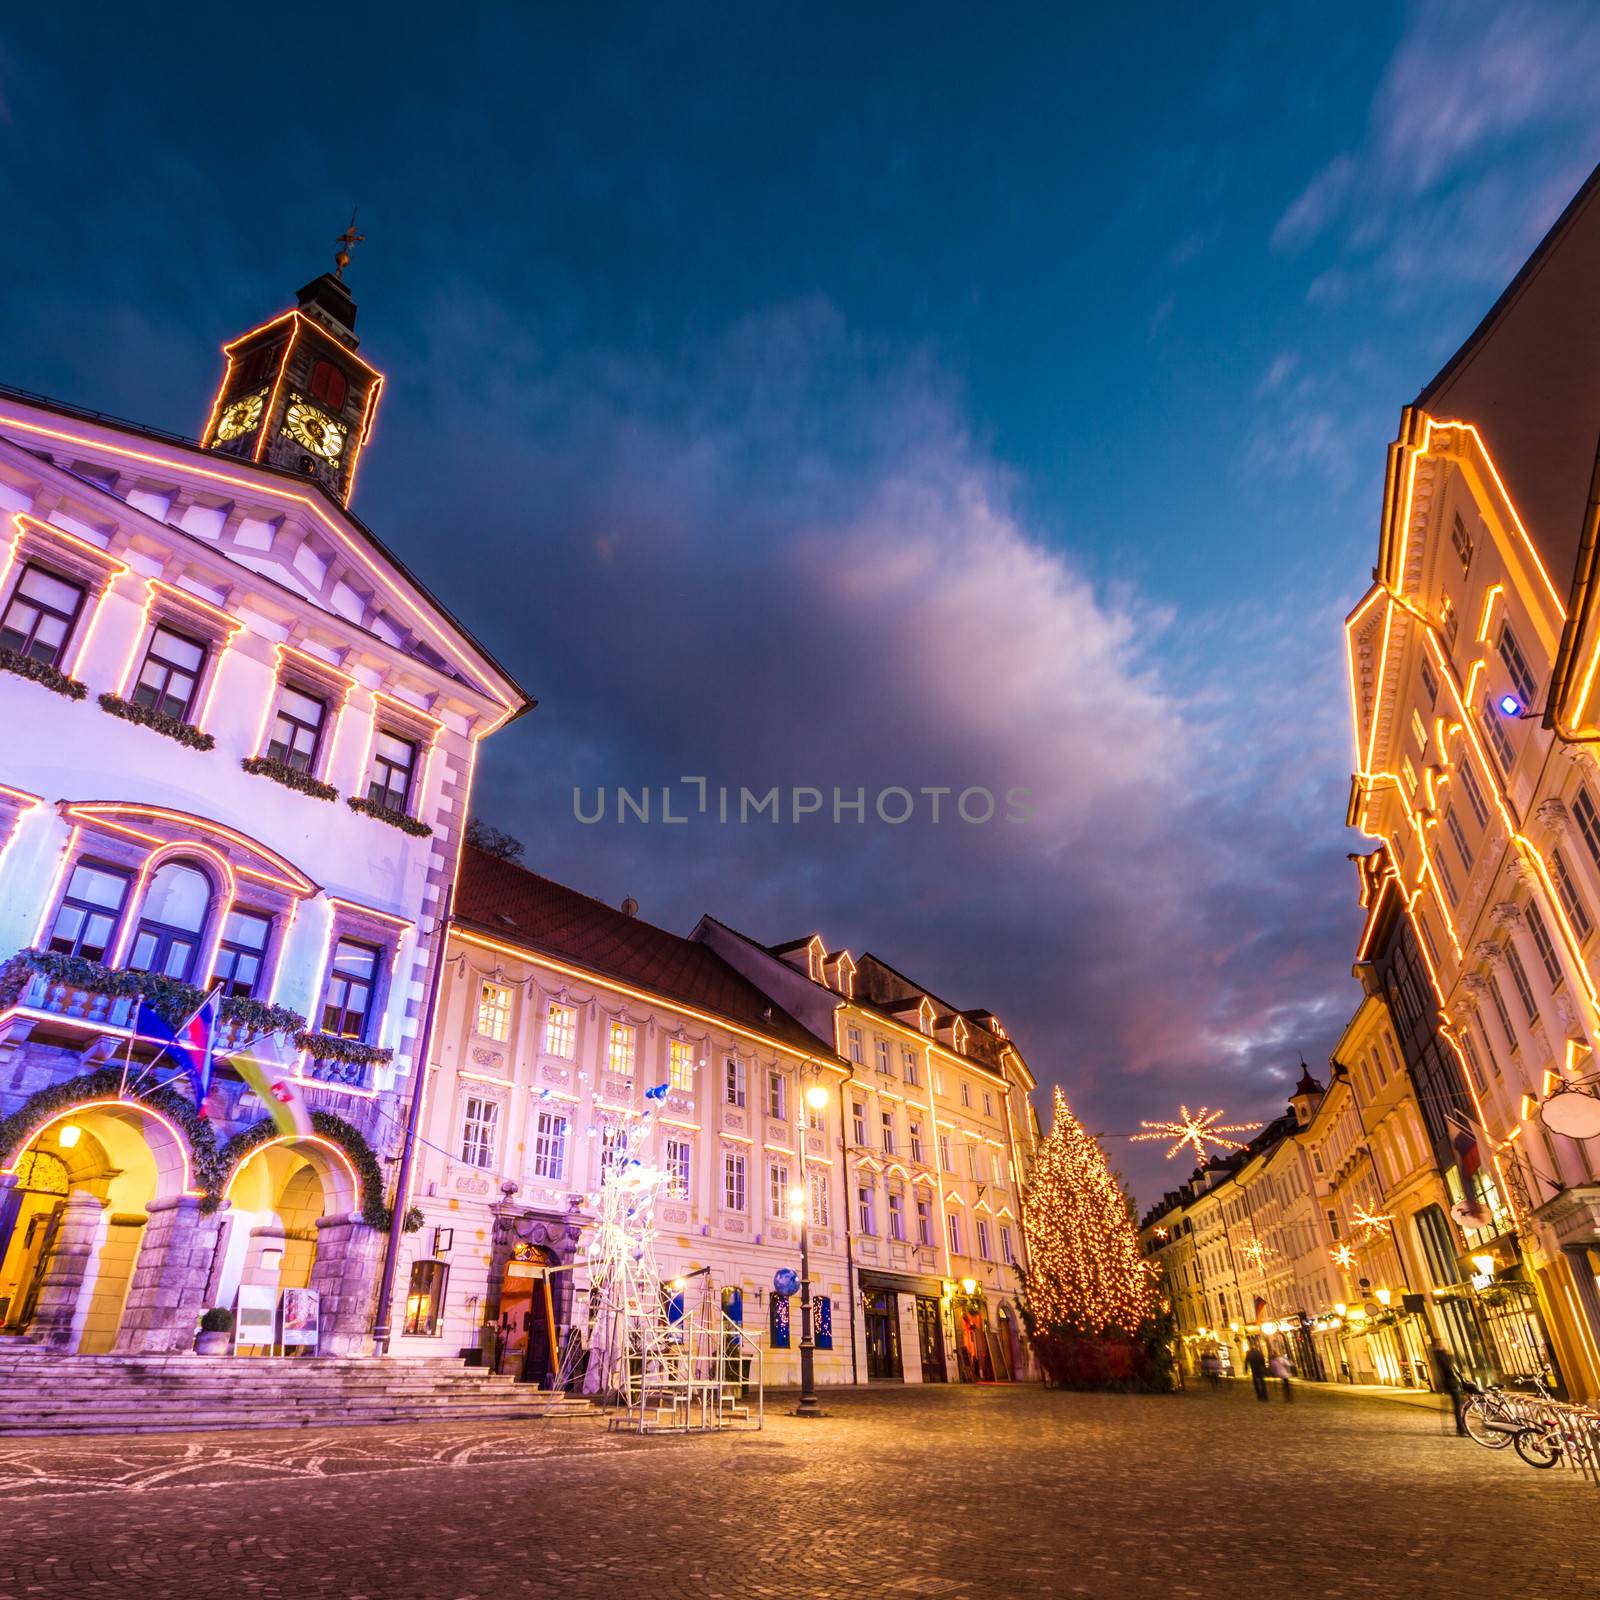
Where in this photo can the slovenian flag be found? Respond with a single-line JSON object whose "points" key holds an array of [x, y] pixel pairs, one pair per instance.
{"points": [[267, 1073], [189, 1044]]}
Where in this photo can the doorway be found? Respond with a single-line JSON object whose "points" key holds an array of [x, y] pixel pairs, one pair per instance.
{"points": [[930, 1339], [883, 1335], [526, 1332]]}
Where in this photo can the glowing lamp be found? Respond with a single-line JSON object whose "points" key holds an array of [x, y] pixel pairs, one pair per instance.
{"points": [[68, 1134], [1358, 1314], [816, 1097], [1510, 706], [1269, 1328], [1484, 1264], [1233, 1327], [797, 1214], [1384, 1296], [968, 1285], [1340, 1308], [679, 1283], [797, 1195]]}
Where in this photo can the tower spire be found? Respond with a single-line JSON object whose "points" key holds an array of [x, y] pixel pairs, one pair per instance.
{"points": [[346, 242]]}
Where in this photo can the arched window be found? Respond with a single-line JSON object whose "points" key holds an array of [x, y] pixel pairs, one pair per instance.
{"points": [[328, 385], [171, 921]]}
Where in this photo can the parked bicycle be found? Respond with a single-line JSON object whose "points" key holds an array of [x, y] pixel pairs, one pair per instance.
{"points": [[1567, 1431], [1493, 1416]]}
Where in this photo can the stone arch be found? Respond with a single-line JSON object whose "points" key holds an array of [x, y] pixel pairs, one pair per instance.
{"points": [[80, 1270]]}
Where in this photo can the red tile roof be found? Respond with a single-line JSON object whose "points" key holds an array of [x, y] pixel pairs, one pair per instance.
{"points": [[536, 914]]}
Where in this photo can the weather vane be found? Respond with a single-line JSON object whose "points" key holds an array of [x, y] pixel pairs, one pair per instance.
{"points": [[346, 242], [1196, 1130]]}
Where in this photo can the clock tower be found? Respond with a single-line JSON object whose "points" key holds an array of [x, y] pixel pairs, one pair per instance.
{"points": [[295, 394]]}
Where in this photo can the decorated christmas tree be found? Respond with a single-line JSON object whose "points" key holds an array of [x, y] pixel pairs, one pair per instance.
{"points": [[1093, 1311]]}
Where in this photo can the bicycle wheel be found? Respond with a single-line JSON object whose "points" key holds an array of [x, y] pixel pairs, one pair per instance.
{"points": [[1476, 1417], [1539, 1447]]}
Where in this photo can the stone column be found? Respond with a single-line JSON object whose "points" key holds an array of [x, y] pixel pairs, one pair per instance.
{"points": [[345, 1276], [69, 1273], [168, 1290]]}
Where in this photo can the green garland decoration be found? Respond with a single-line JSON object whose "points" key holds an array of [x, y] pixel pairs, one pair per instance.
{"points": [[395, 819], [334, 1047], [41, 673], [169, 998], [349, 1138], [159, 721], [289, 777]]}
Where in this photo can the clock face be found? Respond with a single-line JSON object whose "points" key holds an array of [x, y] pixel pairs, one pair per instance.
{"points": [[240, 417], [312, 427]]}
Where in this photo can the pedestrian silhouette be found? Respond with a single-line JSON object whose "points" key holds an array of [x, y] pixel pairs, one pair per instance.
{"points": [[1256, 1365], [1279, 1368], [1448, 1380]]}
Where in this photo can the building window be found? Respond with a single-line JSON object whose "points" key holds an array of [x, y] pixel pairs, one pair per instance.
{"points": [[944, 1151], [1409, 774], [1462, 540], [733, 1079], [1541, 943], [1475, 800], [966, 1093], [886, 1123], [915, 1131], [953, 1227], [560, 1030], [297, 728], [87, 922], [778, 1188], [425, 1297], [1442, 872], [1522, 679], [998, 1164], [478, 1131], [1489, 720], [880, 1052], [242, 952], [679, 1156], [814, 1118], [680, 1065], [347, 1000], [1007, 1255], [40, 619], [1499, 1002], [858, 1121], [819, 1200], [1419, 730], [550, 1146], [988, 1104], [1475, 1063], [1453, 823], [1449, 621], [974, 1159], [854, 1037], [924, 1220], [1588, 820], [494, 1011], [983, 1238], [1519, 980], [897, 1216], [733, 1176], [621, 1048], [328, 385], [170, 675], [908, 1060], [1567, 893], [1430, 684], [171, 921], [775, 1095], [394, 764], [866, 1218]]}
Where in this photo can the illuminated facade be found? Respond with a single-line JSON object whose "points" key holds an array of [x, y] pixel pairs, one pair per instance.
{"points": [[239, 745], [1472, 665], [937, 1129], [558, 1014]]}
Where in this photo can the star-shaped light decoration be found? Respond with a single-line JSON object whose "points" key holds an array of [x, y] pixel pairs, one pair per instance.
{"points": [[1342, 1256], [1256, 1252], [1196, 1129], [1161, 1233], [1370, 1222]]}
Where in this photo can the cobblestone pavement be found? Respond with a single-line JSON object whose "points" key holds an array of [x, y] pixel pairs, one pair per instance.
{"points": [[945, 1493]]}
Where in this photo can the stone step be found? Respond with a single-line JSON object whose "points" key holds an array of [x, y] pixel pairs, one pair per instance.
{"points": [[298, 1404], [191, 1421]]}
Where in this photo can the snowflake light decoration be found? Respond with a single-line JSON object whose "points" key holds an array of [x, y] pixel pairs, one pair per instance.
{"points": [[1370, 1222], [1256, 1253], [1196, 1129], [1342, 1256]]}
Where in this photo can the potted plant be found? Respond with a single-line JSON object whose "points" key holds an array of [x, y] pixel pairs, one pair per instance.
{"points": [[216, 1325]]}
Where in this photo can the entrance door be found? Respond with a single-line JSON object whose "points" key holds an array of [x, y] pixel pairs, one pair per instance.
{"points": [[930, 1339], [883, 1335], [515, 1328]]}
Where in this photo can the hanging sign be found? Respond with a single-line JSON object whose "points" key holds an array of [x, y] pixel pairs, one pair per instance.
{"points": [[1573, 1113]]}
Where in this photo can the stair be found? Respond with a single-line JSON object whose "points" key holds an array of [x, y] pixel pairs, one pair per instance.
{"points": [[45, 1393]]}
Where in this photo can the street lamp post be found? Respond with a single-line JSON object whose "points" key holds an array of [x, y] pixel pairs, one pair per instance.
{"points": [[816, 1098]]}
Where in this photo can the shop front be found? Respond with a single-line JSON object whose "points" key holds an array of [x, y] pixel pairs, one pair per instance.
{"points": [[905, 1330]]}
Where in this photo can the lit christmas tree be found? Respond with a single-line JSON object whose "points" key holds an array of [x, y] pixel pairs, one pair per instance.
{"points": [[1094, 1312]]}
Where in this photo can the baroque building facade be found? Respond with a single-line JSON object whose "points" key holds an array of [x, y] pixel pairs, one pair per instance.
{"points": [[240, 746], [1472, 662]]}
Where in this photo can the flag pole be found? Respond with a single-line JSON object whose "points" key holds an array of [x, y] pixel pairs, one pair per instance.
{"points": [[127, 1054]]}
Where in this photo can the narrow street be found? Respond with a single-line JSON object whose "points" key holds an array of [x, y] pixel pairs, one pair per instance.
{"points": [[933, 1492]]}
